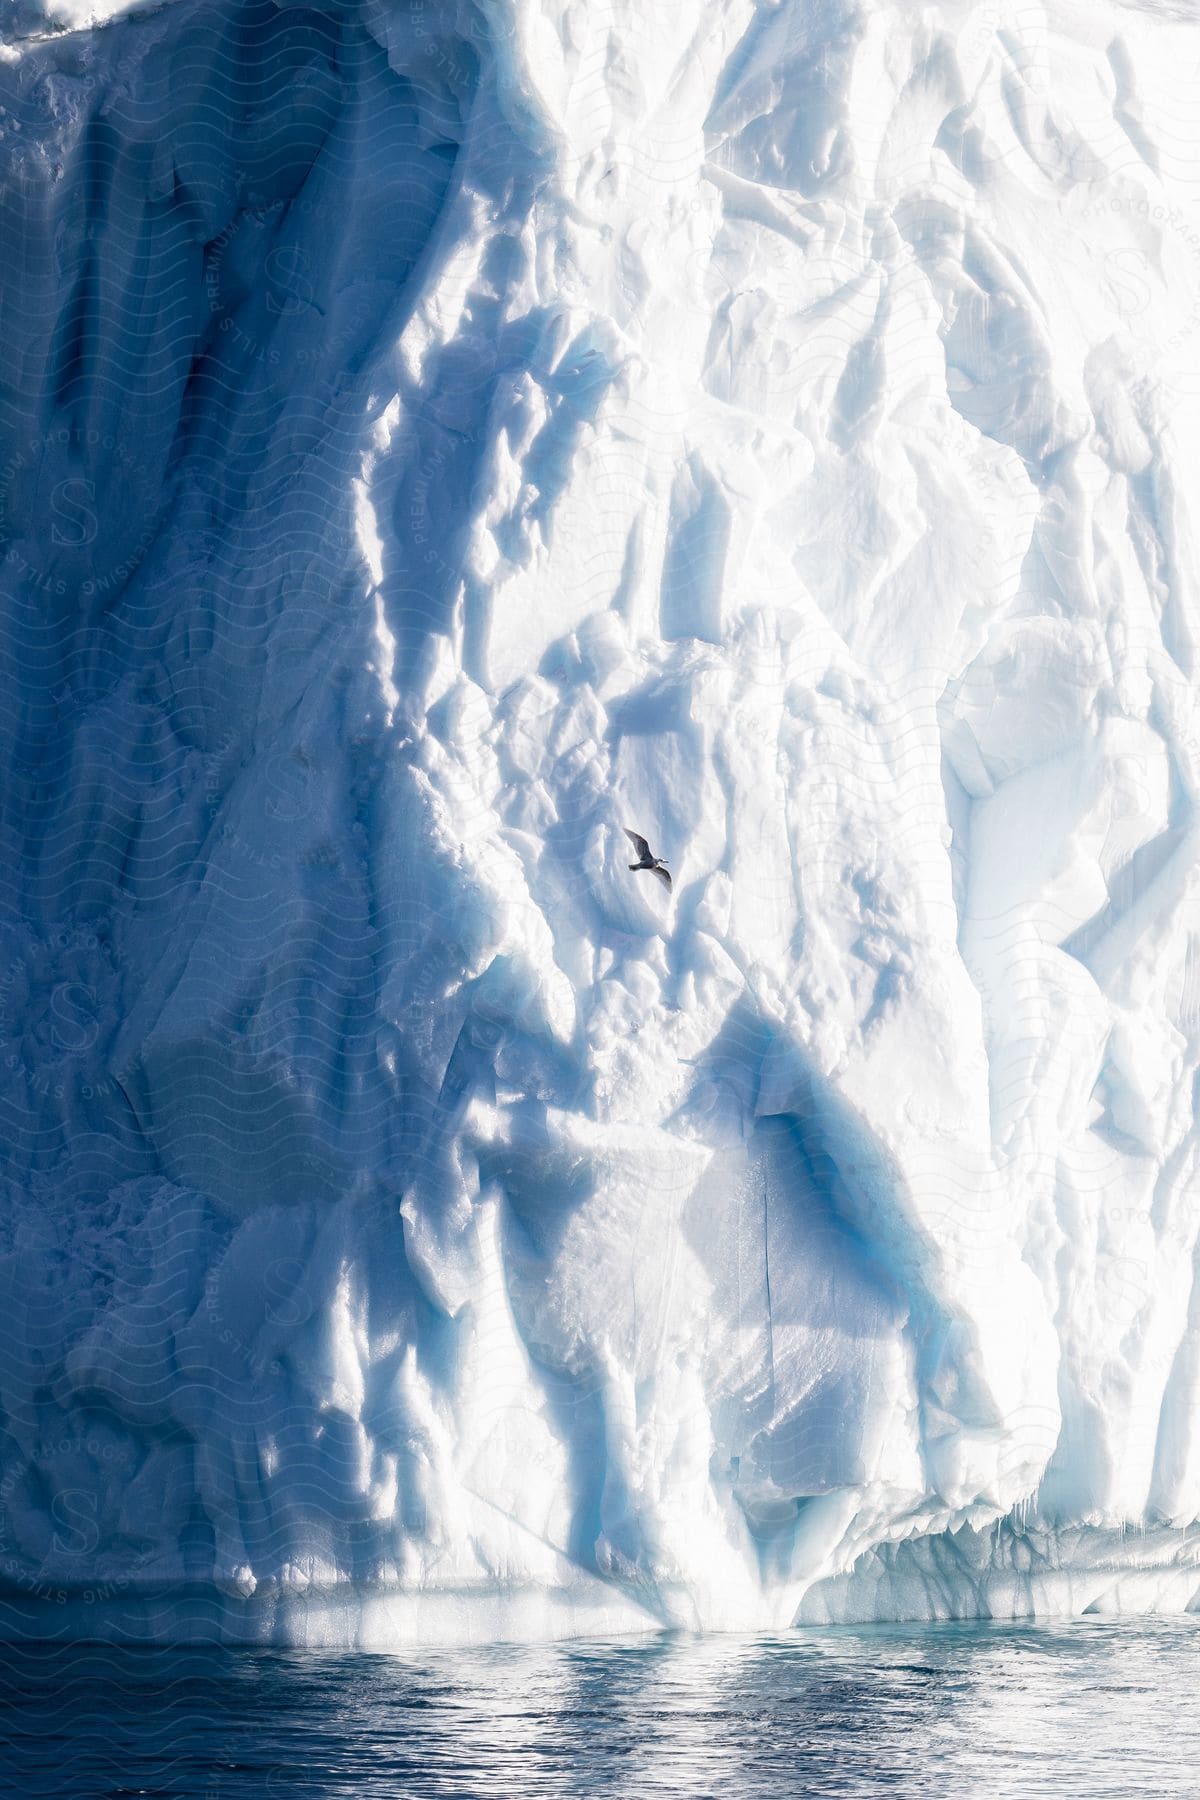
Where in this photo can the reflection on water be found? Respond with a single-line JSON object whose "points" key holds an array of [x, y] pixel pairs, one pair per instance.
{"points": [[1088, 1708]]}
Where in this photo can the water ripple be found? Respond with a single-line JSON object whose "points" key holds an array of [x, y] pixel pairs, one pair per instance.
{"points": [[1089, 1708]]}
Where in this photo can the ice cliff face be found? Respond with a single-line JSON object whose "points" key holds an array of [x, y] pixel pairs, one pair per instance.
{"points": [[435, 437]]}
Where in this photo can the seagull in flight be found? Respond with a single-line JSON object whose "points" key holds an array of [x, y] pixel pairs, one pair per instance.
{"points": [[656, 864]]}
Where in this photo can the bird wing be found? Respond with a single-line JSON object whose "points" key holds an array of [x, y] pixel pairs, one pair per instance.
{"points": [[663, 876], [639, 843]]}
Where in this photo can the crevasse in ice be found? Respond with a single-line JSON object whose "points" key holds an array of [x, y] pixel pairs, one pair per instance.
{"points": [[439, 436]]}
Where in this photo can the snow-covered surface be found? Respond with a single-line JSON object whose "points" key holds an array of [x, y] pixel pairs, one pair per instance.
{"points": [[437, 436]]}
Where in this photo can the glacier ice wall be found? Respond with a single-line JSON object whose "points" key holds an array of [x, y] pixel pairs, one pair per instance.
{"points": [[435, 436]]}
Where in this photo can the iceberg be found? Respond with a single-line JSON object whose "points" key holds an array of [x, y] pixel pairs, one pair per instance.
{"points": [[436, 438]]}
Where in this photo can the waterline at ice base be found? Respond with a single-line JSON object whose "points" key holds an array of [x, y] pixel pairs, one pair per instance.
{"points": [[437, 441]]}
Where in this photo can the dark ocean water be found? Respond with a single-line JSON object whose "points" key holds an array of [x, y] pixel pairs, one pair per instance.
{"points": [[1089, 1708]]}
